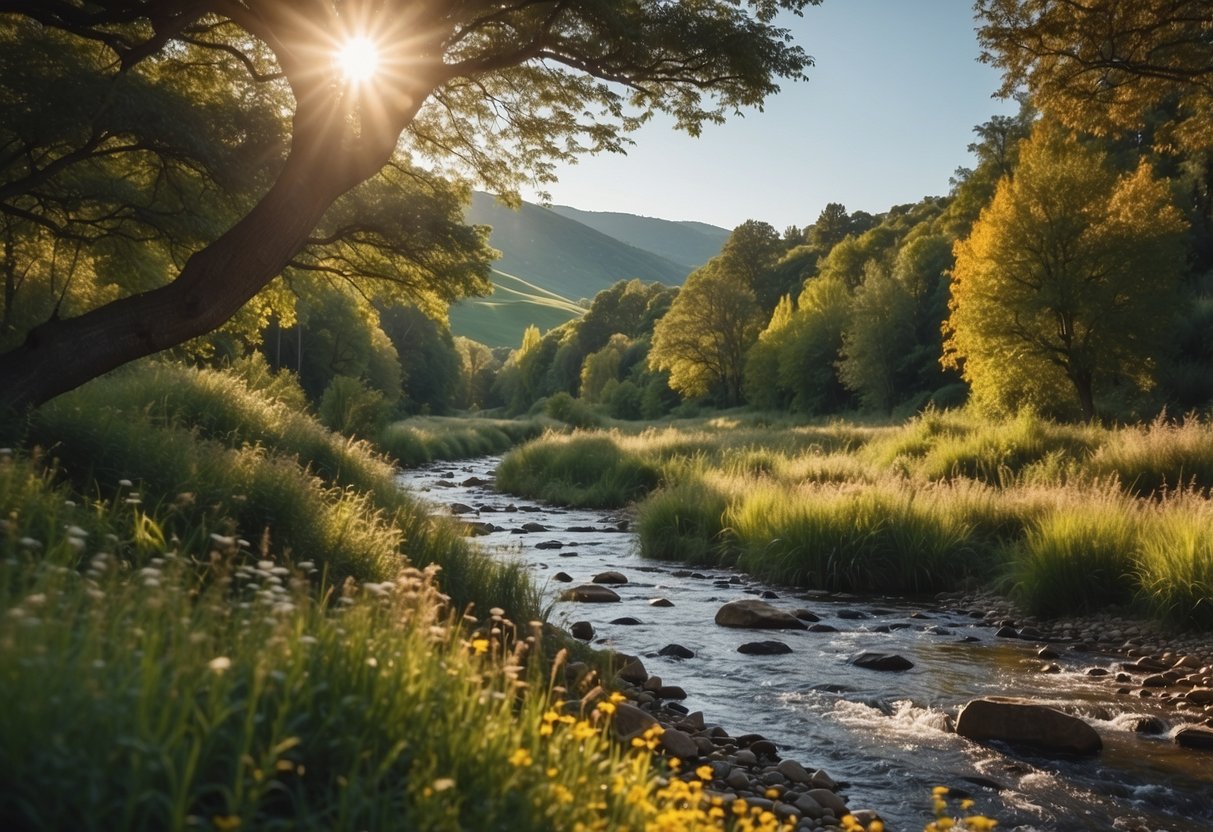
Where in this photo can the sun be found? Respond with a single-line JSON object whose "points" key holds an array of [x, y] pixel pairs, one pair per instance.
{"points": [[358, 59]]}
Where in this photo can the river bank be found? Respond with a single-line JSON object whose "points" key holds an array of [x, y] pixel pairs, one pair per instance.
{"points": [[887, 737]]}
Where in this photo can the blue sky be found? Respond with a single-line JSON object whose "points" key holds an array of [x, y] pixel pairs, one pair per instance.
{"points": [[884, 119]]}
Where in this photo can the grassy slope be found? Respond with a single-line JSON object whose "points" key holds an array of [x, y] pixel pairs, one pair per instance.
{"points": [[688, 244], [499, 319]]}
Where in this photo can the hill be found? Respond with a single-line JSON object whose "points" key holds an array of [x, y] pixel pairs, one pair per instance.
{"points": [[550, 262], [689, 244]]}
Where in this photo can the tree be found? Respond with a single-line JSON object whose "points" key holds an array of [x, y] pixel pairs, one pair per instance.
{"points": [[878, 339], [762, 388], [1066, 280], [500, 91], [832, 227], [702, 340], [749, 256], [1102, 65]]}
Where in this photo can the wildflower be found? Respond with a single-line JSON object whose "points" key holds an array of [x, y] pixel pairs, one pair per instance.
{"points": [[443, 783], [220, 664], [521, 757], [939, 791], [225, 823], [480, 645], [617, 697], [966, 804], [704, 772], [772, 794], [606, 708]]}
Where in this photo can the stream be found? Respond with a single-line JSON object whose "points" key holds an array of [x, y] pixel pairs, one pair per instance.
{"points": [[885, 734]]}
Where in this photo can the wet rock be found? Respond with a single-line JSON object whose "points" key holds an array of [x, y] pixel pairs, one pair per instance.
{"points": [[1007, 632], [1146, 725], [563, 577], [769, 595], [461, 508], [764, 648], [590, 594], [627, 621], [821, 780], [882, 661], [822, 628], [474, 482], [549, 544], [750, 613], [764, 749], [737, 779], [851, 615], [1097, 671], [671, 692], [583, 630], [676, 651], [805, 615], [677, 744], [568, 554], [444, 484], [1195, 736], [795, 772], [610, 578], [633, 671], [1046, 653], [984, 782], [1050, 667], [1023, 722], [1155, 681], [631, 722], [828, 800], [1199, 696], [938, 631], [477, 529], [533, 527], [661, 602]]}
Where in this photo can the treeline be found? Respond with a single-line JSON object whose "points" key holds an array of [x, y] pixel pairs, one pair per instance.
{"points": [[1064, 272]]}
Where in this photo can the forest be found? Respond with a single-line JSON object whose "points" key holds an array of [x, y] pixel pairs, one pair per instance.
{"points": [[264, 518]]}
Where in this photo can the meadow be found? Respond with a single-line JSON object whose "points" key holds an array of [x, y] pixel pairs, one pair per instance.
{"points": [[1065, 518]]}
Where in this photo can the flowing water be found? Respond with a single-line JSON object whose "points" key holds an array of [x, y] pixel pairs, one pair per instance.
{"points": [[885, 734]]}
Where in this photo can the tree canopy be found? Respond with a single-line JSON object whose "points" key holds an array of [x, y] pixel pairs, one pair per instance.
{"points": [[1067, 278], [498, 93]]}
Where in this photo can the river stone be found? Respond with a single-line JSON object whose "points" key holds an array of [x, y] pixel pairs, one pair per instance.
{"points": [[563, 577], [808, 806], [822, 628], [822, 780], [882, 661], [851, 615], [1021, 721], [737, 779], [461, 508], [1195, 737], [676, 651], [1200, 696], [549, 544], [764, 648], [631, 722], [661, 602], [828, 800], [473, 482], [806, 615], [627, 621], [610, 577], [671, 692], [678, 744], [764, 749], [633, 671], [750, 613], [590, 594], [533, 527], [583, 630], [795, 772], [1006, 632], [1146, 725], [745, 757], [1155, 681]]}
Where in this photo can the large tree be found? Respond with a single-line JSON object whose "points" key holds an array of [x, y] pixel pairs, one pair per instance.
{"points": [[1067, 279], [501, 91], [703, 339]]}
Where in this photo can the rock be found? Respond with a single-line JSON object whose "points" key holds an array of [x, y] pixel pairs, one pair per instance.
{"points": [[851, 615], [1154, 681], [745, 757], [634, 672], [549, 544], [678, 744], [590, 594], [461, 508], [1200, 696], [563, 577], [822, 628], [533, 527], [631, 722], [769, 595], [479, 529], [737, 780], [882, 661], [1195, 737], [676, 651], [661, 602], [610, 578], [821, 780], [795, 772], [473, 482], [764, 749], [1145, 725], [806, 615], [627, 621], [1021, 721], [583, 630], [750, 613], [828, 800], [670, 692], [1097, 671], [808, 806], [764, 648], [1046, 653], [1006, 632]]}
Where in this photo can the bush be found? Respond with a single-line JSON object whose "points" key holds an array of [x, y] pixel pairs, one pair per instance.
{"points": [[349, 407], [683, 522], [625, 401], [573, 412], [577, 470]]}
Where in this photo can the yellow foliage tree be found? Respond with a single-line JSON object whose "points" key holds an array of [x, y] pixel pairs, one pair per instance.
{"points": [[1066, 281]]}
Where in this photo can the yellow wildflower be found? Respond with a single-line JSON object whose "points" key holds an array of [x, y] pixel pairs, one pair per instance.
{"points": [[704, 772], [521, 757], [480, 645]]}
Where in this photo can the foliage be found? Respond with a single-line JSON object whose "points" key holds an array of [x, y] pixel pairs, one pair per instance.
{"points": [[1105, 66], [702, 340], [879, 338], [564, 408], [577, 470], [423, 439], [350, 407], [1066, 280]]}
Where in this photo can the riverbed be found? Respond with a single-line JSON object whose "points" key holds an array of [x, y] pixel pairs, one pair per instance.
{"points": [[887, 735]]}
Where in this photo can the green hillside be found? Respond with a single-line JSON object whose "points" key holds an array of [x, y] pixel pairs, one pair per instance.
{"points": [[548, 263], [690, 244]]}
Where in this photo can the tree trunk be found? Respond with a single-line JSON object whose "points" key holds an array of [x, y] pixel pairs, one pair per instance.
{"points": [[216, 281], [1084, 387]]}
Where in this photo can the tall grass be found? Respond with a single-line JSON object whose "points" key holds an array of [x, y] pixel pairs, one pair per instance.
{"points": [[273, 474], [1163, 456], [161, 687], [425, 439], [577, 470], [683, 522], [1175, 561]]}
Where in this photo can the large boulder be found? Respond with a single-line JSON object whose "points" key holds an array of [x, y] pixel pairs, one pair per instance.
{"points": [[750, 613], [590, 593], [882, 661], [1195, 736], [1023, 722]]}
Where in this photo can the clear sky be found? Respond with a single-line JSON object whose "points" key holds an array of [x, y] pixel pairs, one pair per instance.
{"points": [[884, 119]]}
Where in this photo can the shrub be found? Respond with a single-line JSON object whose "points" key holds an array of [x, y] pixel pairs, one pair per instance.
{"points": [[577, 470], [683, 522], [573, 412], [349, 407]]}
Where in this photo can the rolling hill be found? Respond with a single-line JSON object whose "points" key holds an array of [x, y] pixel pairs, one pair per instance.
{"points": [[551, 262]]}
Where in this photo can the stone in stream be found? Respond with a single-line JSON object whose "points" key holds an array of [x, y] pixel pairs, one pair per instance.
{"points": [[822, 628], [1143, 724], [882, 661], [533, 527], [677, 744], [1007, 632], [549, 544], [764, 648], [583, 630], [590, 594], [631, 722], [806, 615], [1200, 696], [1195, 736], [610, 578], [749, 613], [851, 615], [676, 651], [1023, 722], [661, 602], [473, 482], [627, 621], [563, 577], [633, 671], [461, 508]]}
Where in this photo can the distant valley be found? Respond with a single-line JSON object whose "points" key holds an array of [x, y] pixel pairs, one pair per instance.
{"points": [[554, 257]]}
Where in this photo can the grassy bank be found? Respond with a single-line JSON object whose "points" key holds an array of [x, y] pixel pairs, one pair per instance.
{"points": [[425, 439], [1067, 518], [216, 615]]}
